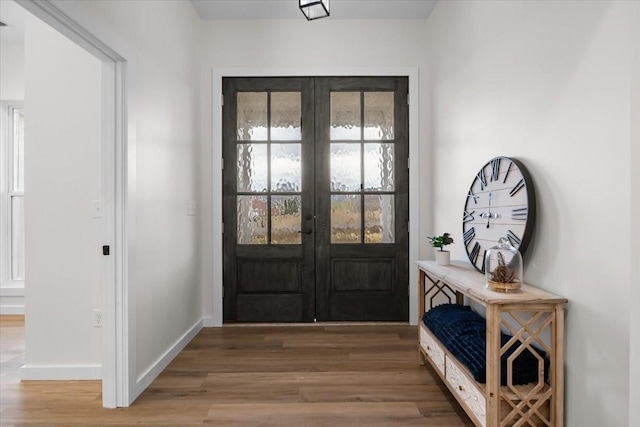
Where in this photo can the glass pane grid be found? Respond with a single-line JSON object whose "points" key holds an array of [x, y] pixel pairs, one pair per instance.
{"points": [[362, 178], [269, 173], [361, 168]]}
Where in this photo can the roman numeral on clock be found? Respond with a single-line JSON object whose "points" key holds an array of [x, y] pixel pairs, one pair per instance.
{"points": [[469, 235], [507, 174], [517, 188], [473, 256], [483, 179], [468, 216], [473, 195], [513, 239], [519, 214], [495, 169]]}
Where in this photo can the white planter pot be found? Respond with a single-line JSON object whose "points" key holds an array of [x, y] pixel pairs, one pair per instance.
{"points": [[443, 257]]}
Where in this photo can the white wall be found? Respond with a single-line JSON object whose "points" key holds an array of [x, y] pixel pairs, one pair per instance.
{"points": [[159, 40], [291, 44], [62, 174], [11, 71], [549, 83], [634, 380]]}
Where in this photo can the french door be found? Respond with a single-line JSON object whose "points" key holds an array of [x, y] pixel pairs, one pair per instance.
{"points": [[315, 199]]}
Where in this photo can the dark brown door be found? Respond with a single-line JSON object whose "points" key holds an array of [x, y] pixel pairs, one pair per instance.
{"points": [[362, 202], [268, 209], [315, 199]]}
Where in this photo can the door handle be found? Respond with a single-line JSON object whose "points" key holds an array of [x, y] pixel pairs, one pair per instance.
{"points": [[305, 232]]}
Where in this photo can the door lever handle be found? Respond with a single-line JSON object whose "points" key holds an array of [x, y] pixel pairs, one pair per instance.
{"points": [[305, 232]]}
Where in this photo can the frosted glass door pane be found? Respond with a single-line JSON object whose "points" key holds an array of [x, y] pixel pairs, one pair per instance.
{"points": [[345, 218], [252, 168], [378, 115], [286, 167], [378, 167], [17, 238], [252, 116], [379, 221], [286, 113], [285, 220], [345, 167], [345, 116], [252, 220], [18, 150]]}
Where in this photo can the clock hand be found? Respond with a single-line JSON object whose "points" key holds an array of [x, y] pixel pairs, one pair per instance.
{"points": [[489, 216]]}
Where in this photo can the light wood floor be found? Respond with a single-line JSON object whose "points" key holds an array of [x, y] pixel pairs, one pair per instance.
{"points": [[319, 375]]}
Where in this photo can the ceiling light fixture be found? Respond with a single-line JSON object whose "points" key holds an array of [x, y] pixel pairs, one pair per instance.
{"points": [[314, 9]]}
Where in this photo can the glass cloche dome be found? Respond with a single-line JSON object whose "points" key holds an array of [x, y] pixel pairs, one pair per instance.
{"points": [[503, 267]]}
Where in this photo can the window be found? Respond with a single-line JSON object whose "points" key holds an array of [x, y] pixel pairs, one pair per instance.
{"points": [[13, 256]]}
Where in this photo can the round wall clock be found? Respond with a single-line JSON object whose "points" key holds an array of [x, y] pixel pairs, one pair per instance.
{"points": [[501, 203]]}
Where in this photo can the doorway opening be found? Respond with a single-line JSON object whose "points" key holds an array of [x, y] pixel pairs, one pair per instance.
{"points": [[316, 199], [117, 385]]}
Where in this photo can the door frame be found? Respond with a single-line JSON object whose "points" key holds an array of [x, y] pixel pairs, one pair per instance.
{"points": [[216, 137], [118, 185]]}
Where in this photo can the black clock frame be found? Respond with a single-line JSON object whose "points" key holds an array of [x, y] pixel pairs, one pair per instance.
{"points": [[531, 205]]}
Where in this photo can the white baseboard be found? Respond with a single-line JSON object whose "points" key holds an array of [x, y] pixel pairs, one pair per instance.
{"points": [[12, 291], [12, 299], [87, 372], [152, 373], [210, 322], [11, 309]]}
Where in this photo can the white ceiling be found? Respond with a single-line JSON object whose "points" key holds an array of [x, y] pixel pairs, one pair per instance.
{"points": [[288, 9], [14, 16]]}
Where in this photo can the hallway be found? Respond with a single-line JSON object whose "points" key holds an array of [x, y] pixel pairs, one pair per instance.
{"points": [[252, 375]]}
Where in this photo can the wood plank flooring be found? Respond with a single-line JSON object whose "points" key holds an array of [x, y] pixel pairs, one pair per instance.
{"points": [[319, 375]]}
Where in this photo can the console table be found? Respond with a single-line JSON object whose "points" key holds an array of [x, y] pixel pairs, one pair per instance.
{"points": [[533, 317]]}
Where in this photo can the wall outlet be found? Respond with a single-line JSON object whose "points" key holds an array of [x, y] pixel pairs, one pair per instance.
{"points": [[97, 318]]}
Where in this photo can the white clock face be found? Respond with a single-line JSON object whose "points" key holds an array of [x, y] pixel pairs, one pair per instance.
{"points": [[500, 203]]}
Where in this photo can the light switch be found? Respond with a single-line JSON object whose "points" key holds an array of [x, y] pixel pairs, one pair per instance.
{"points": [[191, 207], [96, 208]]}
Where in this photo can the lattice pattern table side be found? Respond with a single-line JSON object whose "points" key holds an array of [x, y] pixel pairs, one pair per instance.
{"points": [[439, 288], [527, 333], [535, 320]]}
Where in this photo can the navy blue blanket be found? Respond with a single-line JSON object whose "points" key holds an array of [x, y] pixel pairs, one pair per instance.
{"points": [[463, 332]]}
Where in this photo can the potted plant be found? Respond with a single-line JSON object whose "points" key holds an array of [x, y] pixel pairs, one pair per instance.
{"points": [[442, 257]]}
